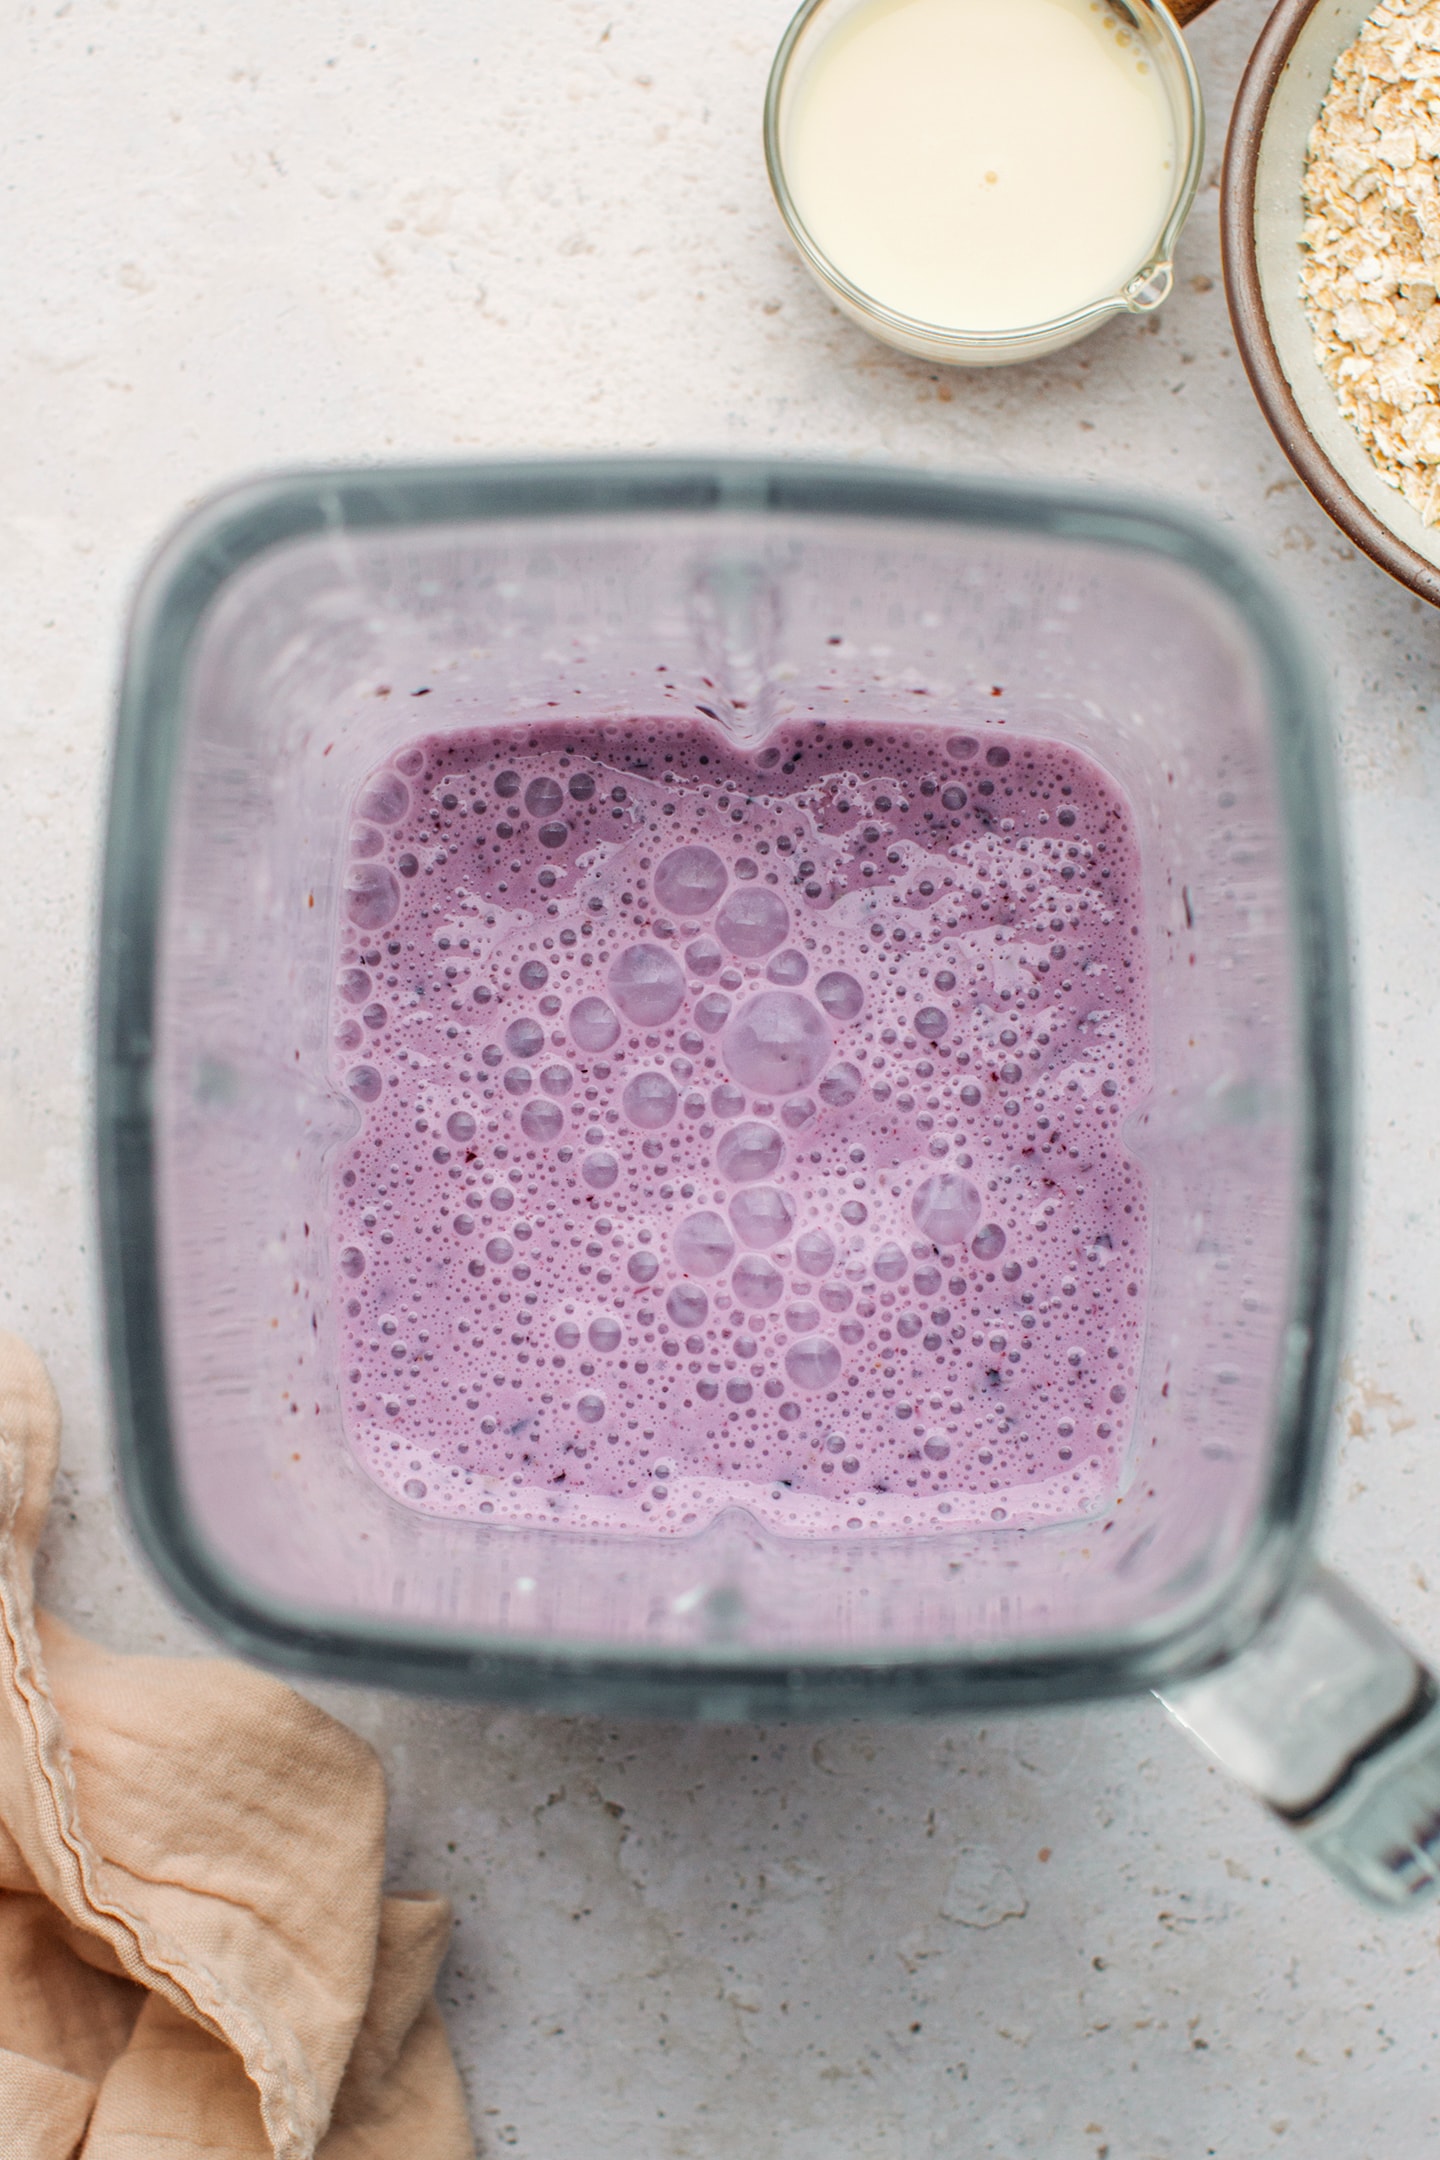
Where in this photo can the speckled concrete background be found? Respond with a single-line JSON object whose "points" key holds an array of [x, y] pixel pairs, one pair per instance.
{"points": [[237, 237]]}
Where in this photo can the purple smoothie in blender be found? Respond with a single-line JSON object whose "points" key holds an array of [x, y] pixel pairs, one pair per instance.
{"points": [[740, 1128]]}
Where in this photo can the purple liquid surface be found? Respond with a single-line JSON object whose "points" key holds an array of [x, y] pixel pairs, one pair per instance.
{"points": [[740, 1129]]}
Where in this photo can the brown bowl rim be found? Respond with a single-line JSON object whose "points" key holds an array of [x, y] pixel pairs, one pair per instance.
{"points": [[1256, 347]]}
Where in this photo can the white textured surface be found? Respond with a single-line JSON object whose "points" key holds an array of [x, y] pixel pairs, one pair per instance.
{"points": [[279, 233]]}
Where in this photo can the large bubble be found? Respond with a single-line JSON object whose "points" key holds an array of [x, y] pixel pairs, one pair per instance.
{"points": [[702, 1244], [815, 1252], [642, 1267], [703, 957], [788, 968], [840, 995], [840, 1086], [523, 1038], [777, 1043], [687, 1305], [647, 985], [543, 798], [364, 1083], [600, 1169], [604, 1333], [946, 1208], [749, 1152], [592, 1024], [813, 1362], [756, 1283], [384, 800], [649, 1101], [989, 1240], [542, 1120], [890, 1263], [752, 922], [372, 895], [762, 1216], [689, 881], [712, 1011]]}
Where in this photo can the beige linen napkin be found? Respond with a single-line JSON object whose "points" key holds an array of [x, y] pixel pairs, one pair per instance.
{"points": [[195, 1955]]}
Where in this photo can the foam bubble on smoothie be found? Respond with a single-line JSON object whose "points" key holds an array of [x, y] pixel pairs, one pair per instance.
{"points": [[762, 1215], [383, 800], [703, 957], [788, 968], [840, 994], [372, 895], [756, 1282], [840, 1086], [712, 1011], [703, 1244], [524, 1038], [592, 1024], [739, 1127], [946, 1208], [749, 1151], [752, 922], [815, 1252], [777, 1042], [688, 1306], [647, 985], [542, 1121], [813, 1362], [544, 796], [690, 880], [649, 1101]]}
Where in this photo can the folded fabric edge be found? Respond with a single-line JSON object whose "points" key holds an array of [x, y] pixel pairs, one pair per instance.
{"points": [[292, 2108]]}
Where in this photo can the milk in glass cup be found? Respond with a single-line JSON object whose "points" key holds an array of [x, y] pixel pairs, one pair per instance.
{"points": [[977, 181]]}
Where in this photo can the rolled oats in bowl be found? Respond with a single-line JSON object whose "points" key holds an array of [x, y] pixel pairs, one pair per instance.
{"points": [[1372, 245]]}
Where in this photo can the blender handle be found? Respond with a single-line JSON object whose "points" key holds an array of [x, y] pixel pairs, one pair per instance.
{"points": [[1332, 1721]]}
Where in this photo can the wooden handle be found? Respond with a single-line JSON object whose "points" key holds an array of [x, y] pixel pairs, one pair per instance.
{"points": [[1185, 11]]}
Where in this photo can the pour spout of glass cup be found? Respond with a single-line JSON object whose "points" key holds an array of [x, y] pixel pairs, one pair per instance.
{"points": [[1332, 1721], [1149, 286], [1152, 283]]}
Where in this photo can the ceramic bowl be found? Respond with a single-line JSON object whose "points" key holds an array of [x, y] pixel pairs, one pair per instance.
{"points": [[1262, 219]]}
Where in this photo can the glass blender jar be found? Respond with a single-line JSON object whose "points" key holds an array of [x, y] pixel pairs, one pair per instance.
{"points": [[277, 647]]}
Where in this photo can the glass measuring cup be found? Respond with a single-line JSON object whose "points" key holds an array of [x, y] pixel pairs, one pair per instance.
{"points": [[277, 650], [1143, 287]]}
